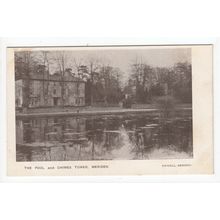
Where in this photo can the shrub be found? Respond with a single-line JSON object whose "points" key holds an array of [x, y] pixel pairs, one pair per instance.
{"points": [[166, 104]]}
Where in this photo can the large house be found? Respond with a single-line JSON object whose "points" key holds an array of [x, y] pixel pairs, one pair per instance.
{"points": [[46, 90]]}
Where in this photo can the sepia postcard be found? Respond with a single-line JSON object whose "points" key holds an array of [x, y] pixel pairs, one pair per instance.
{"points": [[109, 110]]}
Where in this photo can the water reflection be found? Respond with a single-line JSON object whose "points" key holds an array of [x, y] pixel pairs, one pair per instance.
{"points": [[103, 138]]}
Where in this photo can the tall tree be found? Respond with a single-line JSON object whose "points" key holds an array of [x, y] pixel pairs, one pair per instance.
{"points": [[183, 82], [93, 71], [61, 60], [143, 77], [25, 63]]}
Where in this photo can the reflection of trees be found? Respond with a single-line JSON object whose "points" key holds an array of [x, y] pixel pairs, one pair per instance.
{"points": [[95, 138]]}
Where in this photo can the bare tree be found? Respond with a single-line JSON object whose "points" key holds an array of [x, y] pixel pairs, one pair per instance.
{"points": [[24, 64], [61, 61], [93, 68], [77, 64], [46, 63], [88, 70]]}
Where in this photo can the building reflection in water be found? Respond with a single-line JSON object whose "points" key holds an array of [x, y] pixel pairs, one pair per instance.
{"points": [[103, 138]]}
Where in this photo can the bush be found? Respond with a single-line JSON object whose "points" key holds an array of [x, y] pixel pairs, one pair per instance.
{"points": [[166, 104]]}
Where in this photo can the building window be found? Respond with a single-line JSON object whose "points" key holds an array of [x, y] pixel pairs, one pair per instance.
{"points": [[66, 91], [77, 101], [55, 101]]}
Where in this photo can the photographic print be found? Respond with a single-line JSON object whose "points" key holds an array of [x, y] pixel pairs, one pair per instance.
{"points": [[98, 104]]}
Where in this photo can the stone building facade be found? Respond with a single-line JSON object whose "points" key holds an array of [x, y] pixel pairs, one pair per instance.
{"points": [[39, 90]]}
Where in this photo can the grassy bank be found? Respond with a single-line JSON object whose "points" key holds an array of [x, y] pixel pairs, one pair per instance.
{"points": [[84, 111]]}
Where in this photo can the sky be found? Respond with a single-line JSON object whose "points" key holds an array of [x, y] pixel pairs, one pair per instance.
{"points": [[123, 58]]}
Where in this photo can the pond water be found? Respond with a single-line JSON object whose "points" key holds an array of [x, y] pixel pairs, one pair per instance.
{"points": [[110, 137]]}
